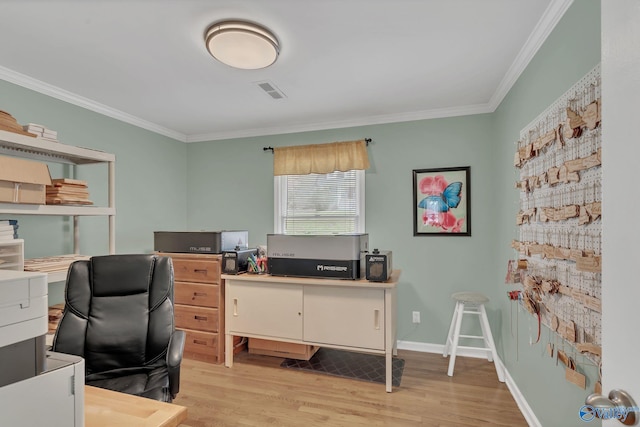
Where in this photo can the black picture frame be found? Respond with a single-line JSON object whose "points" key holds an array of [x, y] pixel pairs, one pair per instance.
{"points": [[442, 201]]}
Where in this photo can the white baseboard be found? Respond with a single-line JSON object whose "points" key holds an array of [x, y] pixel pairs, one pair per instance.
{"points": [[524, 407], [439, 348]]}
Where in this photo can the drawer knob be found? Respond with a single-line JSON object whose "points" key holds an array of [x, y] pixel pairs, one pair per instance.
{"points": [[201, 342], [200, 317]]}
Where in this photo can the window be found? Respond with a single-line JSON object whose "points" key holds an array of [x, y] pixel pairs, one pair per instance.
{"points": [[330, 203]]}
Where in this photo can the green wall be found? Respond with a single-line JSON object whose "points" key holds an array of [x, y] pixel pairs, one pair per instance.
{"points": [[166, 185], [150, 180], [570, 52], [231, 186]]}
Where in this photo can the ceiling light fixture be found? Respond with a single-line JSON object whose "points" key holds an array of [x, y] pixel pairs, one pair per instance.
{"points": [[242, 44]]}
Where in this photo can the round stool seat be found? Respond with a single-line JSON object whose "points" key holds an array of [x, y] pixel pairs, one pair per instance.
{"points": [[470, 297]]}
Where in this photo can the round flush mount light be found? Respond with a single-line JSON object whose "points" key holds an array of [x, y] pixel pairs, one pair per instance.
{"points": [[242, 44]]}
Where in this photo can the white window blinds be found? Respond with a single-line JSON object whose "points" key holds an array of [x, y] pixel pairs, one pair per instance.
{"points": [[331, 203]]}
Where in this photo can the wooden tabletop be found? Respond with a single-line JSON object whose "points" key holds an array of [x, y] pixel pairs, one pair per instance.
{"points": [[106, 408], [359, 283]]}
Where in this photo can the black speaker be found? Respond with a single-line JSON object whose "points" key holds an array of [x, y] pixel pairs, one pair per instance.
{"points": [[378, 266], [234, 262]]}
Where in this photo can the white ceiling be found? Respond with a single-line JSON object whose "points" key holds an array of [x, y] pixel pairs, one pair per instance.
{"points": [[342, 62]]}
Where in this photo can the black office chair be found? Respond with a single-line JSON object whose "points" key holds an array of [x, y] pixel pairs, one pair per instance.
{"points": [[118, 316]]}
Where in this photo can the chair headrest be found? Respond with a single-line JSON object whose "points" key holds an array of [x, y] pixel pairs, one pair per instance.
{"points": [[118, 275]]}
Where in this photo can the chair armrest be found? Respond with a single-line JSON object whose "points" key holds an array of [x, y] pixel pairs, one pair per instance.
{"points": [[174, 359], [176, 348]]}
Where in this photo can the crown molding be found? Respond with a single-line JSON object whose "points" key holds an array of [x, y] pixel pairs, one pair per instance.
{"points": [[88, 104], [554, 12], [550, 18], [543, 28], [436, 113]]}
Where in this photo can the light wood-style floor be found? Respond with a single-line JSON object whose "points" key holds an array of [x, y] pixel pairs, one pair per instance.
{"points": [[257, 392]]}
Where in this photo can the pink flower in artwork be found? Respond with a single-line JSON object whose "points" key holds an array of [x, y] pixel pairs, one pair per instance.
{"points": [[445, 220], [432, 215], [451, 223], [432, 218], [448, 220], [431, 185]]}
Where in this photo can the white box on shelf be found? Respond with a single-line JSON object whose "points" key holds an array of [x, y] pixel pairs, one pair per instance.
{"points": [[12, 254]]}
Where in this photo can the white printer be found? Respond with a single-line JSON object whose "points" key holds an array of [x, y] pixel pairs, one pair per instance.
{"points": [[36, 387]]}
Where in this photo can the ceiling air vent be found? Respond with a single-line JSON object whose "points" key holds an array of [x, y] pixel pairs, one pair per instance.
{"points": [[271, 90]]}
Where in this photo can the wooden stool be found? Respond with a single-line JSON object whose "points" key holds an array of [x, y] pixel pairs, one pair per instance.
{"points": [[471, 303]]}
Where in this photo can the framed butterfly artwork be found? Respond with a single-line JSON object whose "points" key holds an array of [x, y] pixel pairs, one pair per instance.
{"points": [[442, 202]]}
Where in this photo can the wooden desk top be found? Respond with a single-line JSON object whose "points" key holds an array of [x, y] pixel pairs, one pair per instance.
{"points": [[360, 283], [106, 408]]}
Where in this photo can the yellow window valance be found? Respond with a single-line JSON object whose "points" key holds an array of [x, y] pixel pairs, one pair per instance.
{"points": [[320, 158]]}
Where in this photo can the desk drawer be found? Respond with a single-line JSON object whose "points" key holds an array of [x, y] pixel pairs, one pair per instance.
{"points": [[200, 318], [195, 270], [203, 346], [203, 295]]}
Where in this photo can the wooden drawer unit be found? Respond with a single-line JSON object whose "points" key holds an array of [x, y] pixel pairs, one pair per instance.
{"points": [[197, 294], [199, 304], [197, 270], [202, 345], [198, 318]]}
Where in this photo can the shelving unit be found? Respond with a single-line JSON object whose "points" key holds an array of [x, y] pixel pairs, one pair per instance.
{"points": [[12, 144]]}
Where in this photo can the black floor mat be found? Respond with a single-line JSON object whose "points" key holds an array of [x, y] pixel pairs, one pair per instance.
{"points": [[348, 364]]}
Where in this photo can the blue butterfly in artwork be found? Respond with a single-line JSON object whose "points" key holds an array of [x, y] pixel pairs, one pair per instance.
{"points": [[448, 199]]}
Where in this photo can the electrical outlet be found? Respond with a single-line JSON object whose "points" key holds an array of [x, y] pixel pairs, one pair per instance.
{"points": [[416, 317]]}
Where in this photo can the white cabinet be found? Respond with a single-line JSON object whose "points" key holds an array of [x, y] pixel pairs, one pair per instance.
{"points": [[12, 144], [270, 311], [350, 317], [348, 314], [343, 316]]}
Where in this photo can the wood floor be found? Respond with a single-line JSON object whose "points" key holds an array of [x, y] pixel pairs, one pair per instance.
{"points": [[257, 392]]}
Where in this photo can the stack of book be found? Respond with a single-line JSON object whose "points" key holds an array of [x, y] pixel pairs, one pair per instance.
{"points": [[68, 191], [55, 314], [41, 132], [8, 229]]}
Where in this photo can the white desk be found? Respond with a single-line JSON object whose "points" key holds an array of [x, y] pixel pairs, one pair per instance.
{"points": [[353, 315]]}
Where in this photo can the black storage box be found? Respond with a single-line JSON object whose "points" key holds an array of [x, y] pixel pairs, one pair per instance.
{"points": [[378, 266], [234, 262], [200, 242]]}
